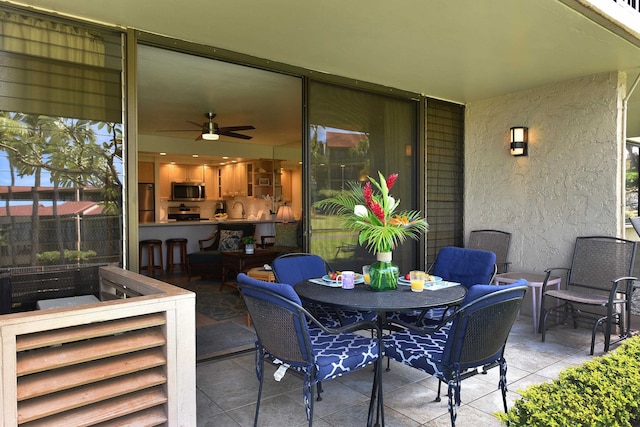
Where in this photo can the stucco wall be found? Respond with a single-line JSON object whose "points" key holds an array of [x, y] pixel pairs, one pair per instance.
{"points": [[570, 183]]}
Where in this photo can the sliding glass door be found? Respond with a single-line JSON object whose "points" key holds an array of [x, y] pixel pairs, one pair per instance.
{"points": [[355, 134]]}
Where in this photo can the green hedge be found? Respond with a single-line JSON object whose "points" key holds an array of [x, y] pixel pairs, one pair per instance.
{"points": [[603, 392], [70, 257]]}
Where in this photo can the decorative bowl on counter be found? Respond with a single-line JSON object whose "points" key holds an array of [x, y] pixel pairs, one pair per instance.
{"points": [[219, 217]]}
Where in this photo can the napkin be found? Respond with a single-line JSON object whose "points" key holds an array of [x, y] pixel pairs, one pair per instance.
{"points": [[442, 284], [323, 282]]}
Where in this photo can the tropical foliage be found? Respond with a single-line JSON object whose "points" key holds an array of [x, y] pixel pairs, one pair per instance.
{"points": [[371, 211], [602, 392], [71, 153]]}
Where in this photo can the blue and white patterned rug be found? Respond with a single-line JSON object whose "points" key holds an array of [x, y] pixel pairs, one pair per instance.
{"points": [[215, 303]]}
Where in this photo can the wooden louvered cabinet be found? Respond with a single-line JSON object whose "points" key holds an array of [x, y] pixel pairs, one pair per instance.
{"points": [[130, 362]]}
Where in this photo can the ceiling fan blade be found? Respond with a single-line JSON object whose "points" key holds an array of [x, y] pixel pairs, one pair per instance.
{"points": [[234, 128], [234, 135], [194, 123]]}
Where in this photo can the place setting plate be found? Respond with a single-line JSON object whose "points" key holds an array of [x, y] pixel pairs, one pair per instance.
{"points": [[436, 279], [328, 281]]}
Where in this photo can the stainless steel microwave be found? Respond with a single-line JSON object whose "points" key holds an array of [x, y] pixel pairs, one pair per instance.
{"points": [[189, 191]]}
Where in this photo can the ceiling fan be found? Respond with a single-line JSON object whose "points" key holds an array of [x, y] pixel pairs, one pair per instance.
{"points": [[211, 131]]}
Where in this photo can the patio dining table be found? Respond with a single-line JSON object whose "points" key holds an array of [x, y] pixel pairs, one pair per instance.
{"points": [[362, 298]]}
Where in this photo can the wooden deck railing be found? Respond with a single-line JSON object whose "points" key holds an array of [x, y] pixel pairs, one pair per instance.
{"points": [[127, 360]]}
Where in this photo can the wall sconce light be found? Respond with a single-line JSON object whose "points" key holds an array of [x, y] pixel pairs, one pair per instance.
{"points": [[519, 140]]}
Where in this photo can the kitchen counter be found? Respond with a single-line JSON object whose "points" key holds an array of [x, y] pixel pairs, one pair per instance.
{"points": [[197, 230], [207, 222]]}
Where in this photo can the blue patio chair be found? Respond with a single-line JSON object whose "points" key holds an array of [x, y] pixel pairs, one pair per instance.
{"points": [[466, 266], [319, 353], [461, 265], [469, 341], [293, 268]]}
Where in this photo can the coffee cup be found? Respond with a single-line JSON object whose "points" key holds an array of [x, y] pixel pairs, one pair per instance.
{"points": [[347, 279]]}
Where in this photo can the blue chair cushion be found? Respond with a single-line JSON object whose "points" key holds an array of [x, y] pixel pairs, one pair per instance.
{"points": [[335, 355], [294, 269], [431, 353], [423, 352], [465, 266]]}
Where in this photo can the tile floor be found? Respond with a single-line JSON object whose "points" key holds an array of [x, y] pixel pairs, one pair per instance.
{"points": [[227, 389]]}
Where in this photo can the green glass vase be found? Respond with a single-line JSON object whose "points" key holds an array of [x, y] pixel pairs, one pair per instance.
{"points": [[384, 273]]}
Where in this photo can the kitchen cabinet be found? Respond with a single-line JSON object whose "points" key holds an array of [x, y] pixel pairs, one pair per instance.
{"points": [[192, 173], [146, 172], [212, 179], [234, 179], [267, 178], [169, 173]]}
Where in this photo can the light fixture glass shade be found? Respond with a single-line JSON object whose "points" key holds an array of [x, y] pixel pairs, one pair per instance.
{"points": [[209, 136], [519, 141], [284, 214]]}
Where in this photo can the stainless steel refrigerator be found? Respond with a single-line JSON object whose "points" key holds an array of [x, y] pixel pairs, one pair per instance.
{"points": [[146, 203]]}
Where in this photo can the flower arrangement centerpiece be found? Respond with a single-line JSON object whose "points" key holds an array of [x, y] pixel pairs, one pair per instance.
{"points": [[372, 212]]}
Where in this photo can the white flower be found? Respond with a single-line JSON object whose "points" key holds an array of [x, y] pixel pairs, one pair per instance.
{"points": [[391, 202], [361, 211]]}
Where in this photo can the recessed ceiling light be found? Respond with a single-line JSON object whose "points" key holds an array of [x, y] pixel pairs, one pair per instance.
{"points": [[195, 155], [163, 154], [225, 157]]}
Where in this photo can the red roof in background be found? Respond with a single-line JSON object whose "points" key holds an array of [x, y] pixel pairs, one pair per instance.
{"points": [[67, 208], [343, 139], [4, 189]]}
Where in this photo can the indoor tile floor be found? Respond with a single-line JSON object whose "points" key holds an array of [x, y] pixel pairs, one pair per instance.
{"points": [[227, 389]]}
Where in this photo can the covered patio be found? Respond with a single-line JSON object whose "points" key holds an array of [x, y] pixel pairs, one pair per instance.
{"points": [[226, 389]]}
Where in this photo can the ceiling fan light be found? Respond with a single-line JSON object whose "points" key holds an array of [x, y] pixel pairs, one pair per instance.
{"points": [[209, 136]]}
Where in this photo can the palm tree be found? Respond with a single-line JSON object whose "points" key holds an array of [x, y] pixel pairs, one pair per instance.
{"points": [[68, 149]]}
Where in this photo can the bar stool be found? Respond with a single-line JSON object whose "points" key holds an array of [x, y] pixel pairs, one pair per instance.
{"points": [[181, 244], [151, 245]]}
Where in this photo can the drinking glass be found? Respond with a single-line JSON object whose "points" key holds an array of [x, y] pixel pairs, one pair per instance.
{"points": [[365, 274], [417, 280]]}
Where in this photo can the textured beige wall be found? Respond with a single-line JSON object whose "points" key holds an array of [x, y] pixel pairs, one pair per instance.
{"points": [[570, 183]]}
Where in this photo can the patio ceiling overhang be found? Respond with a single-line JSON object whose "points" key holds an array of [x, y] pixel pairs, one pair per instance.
{"points": [[459, 51]]}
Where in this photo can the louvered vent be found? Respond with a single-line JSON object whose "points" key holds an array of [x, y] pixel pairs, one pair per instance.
{"points": [[108, 373]]}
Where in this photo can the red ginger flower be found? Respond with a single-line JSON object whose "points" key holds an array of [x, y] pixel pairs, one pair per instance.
{"points": [[391, 180], [372, 205], [377, 211], [367, 192]]}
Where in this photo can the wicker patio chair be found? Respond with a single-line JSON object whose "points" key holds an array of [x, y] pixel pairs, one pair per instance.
{"points": [[469, 341], [599, 278], [319, 353], [495, 241]]}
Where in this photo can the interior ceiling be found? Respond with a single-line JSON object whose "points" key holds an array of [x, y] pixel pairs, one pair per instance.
{"points": [[459, 51], [169, 95]]}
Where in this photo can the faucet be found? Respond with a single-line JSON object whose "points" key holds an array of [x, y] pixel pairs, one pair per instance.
{"points": [[241, 204]]}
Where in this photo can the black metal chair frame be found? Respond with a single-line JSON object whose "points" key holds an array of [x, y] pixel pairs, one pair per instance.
{"points": [[277, 328], [602, 280], [496, 241], [481, 333]]}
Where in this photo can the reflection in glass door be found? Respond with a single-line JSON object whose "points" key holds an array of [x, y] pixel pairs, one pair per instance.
{"points": [[355, 134]]}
